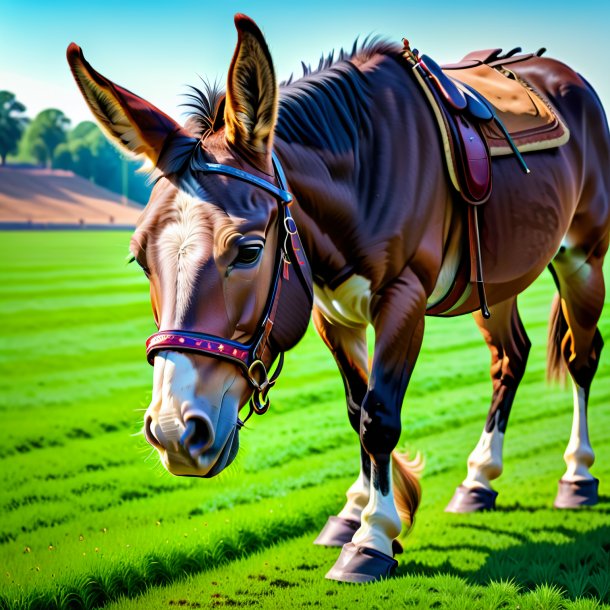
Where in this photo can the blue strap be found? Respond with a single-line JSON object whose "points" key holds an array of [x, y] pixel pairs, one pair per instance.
{"points": [[199, 165]]}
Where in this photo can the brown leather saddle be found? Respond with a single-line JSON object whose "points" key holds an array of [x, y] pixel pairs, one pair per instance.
{"points": [[483, 109], [528, 118]]}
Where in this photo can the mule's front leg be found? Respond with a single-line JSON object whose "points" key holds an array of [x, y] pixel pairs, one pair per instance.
{"points": [[349, 348], [398, 319]]}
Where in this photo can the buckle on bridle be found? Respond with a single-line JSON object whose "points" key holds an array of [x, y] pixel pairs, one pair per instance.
{"points": [[262, 384], [259, 403]]}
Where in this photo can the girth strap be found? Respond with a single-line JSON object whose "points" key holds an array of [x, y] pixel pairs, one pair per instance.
{"points": [[476, 265]]}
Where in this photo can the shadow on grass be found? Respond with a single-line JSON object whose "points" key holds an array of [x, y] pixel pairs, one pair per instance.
{"points": [[603, 507], [578, 562]]}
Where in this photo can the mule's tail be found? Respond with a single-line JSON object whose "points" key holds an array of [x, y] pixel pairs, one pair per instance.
{"points": [[558, 327], [407, 490]]}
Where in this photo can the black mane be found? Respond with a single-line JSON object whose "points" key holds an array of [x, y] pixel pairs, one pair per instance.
{"points": [[328, 108], [325, 107], [362, 51], [207, 106]]}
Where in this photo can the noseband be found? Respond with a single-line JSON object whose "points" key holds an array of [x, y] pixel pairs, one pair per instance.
{"points": [[249, 357]]}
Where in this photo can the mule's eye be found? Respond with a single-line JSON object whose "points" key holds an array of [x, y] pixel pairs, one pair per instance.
{"points": [[248, 255], [143, 267]]}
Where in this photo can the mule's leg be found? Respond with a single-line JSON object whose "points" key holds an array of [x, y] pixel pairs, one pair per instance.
{"points": [[579, 342], [349, 348], [398, 319], [509, 346]]}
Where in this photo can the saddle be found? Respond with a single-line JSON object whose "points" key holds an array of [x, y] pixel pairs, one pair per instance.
{"points": [[483, 109]]}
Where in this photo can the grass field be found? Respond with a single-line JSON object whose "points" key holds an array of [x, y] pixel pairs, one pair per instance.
{"points": [[89, 518]]}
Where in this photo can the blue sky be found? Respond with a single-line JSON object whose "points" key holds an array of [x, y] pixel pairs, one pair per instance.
{"points": [[155, 48]]}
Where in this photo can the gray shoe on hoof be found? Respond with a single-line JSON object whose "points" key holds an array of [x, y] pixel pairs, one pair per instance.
{"points": [[359, 564], [472, 499], [337, 532], [575, 494]]}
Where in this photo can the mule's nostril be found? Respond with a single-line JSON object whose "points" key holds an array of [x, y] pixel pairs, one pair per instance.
{"points": [[198, 436], [150, 437]]}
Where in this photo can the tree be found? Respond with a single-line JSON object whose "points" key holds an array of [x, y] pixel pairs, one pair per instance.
{"points": [[83, 158], [11, 124], [87, 152], [82, 130], [76, 153], [62, 157], [44, 134]]}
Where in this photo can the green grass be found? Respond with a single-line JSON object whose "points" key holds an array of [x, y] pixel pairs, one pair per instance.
{"points": [[89, 517]]}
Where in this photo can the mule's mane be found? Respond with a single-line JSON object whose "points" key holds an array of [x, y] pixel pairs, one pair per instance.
{"points": [[326, 110], [207, 106], [330, 97], [329, 108], [360, 51]]}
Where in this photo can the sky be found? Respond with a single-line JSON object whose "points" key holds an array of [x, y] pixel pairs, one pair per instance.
{"points": [[156, 48]]}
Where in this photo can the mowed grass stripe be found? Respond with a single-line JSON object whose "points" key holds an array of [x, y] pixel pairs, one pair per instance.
{"points": [[72, 318], [65, 302], [96, 477], [69, 344], [130, 280]]}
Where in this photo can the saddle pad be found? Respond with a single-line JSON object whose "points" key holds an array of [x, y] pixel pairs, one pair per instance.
{"points": [[529, 119]]}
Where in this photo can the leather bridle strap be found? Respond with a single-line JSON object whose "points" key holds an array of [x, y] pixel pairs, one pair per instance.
{"points": [[247, 356], [198, 164]]}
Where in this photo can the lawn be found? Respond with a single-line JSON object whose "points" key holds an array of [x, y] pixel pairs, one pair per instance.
{"points": [[89, 517]]}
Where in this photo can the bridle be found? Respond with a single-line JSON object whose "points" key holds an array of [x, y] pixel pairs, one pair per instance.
{"points": [[248, 357]]}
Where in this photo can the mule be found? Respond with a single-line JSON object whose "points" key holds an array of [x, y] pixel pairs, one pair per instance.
{"points": [[233, 283]]}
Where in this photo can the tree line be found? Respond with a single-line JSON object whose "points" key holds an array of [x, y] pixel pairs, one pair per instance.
{"points": [[48, 140]]}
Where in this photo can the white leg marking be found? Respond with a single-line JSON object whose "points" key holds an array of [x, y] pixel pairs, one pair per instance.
{"points": [[485, 462], [380, 520], [357, 499], [579, 456]]}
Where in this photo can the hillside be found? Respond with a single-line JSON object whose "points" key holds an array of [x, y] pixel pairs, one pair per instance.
{"points": [[42, 198]]}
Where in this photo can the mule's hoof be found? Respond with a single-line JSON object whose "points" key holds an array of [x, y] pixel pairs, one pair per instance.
{"points": [[472, 499], [359, 564], [337, 532], [574, 494]]}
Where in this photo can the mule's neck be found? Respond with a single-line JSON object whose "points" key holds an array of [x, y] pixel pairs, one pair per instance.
{"points": [[315, 206], [375, 204]]}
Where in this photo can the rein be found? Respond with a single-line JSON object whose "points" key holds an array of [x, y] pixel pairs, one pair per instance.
{"points": [[248, 357]]}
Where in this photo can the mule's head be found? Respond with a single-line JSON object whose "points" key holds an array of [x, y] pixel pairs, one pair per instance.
{"points": [[210, 245]]}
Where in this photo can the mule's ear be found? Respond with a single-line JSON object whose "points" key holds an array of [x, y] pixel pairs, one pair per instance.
{"points": [[252, 92], [129, 121]]}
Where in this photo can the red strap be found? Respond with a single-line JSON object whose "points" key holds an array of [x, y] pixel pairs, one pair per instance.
{"points": [[167, 339]]}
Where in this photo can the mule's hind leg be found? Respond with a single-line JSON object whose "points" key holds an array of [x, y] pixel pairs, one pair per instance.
{"points": [[349, 348], [576, 339], [509, 347]]}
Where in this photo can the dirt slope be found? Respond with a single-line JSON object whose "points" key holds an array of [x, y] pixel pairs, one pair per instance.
{"points": [[32, 196]]}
